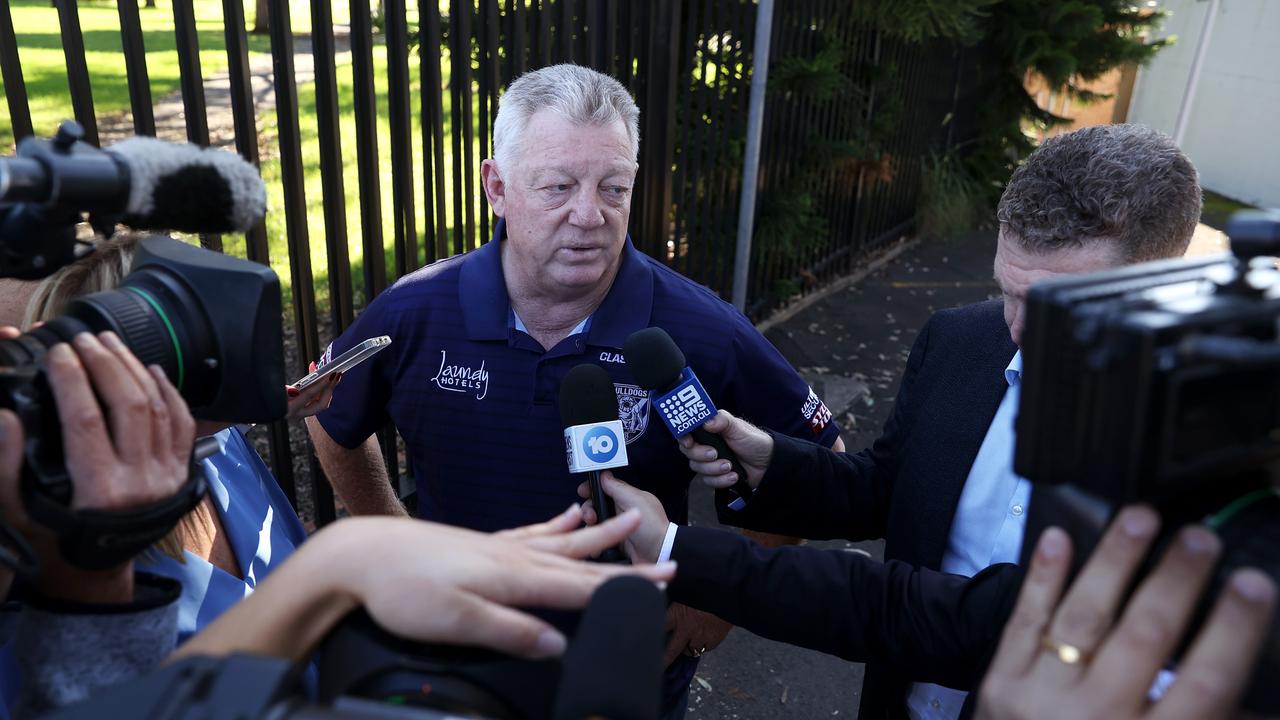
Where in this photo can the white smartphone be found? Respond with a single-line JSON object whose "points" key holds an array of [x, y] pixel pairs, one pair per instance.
{"points": [[346, 360]]}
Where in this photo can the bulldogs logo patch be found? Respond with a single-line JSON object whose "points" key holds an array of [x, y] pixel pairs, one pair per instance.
{"points": [[633, 410]]}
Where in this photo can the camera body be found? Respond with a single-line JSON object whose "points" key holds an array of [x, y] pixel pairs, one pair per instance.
{"points": [[1159, 383]]}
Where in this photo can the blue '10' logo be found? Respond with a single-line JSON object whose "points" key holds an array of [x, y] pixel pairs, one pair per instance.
{"points": [[601, 444]]}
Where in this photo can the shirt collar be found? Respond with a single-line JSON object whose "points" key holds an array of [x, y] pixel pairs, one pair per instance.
{"points": [[1013, 373], [486, 307]]}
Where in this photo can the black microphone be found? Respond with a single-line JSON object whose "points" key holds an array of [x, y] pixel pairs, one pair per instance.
{"points": [[593, 436], [684, 406], [143, 182], [613, 668]]}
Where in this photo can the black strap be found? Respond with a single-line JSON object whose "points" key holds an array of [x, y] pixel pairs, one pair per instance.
{"points": [[99, 539]]}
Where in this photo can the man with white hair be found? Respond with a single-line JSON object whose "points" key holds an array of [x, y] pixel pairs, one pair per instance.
{"points": [[482, 341]]}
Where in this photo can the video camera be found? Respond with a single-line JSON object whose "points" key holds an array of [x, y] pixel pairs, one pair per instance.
{"points": [[1159, 383], [212, 322]]}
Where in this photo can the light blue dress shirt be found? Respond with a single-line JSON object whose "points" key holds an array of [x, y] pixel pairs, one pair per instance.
{"points": [[987, 529]]}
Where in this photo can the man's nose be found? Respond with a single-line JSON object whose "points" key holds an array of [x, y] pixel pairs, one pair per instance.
{"points": [[585, 211]]}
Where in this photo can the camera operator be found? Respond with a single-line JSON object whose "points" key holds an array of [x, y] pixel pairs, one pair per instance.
{"points": [[245, 527], [133, 451]]}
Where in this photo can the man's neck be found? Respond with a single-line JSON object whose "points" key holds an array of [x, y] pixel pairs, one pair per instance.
{"points": [[551, 316]]}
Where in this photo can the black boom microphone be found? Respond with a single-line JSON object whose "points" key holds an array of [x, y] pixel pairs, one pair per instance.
{"points": [[142, 182], [658, 365], [593, 435], [613, 669]]}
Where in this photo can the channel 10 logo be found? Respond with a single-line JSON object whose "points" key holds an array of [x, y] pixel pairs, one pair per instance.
{"points": [[600, 445]]}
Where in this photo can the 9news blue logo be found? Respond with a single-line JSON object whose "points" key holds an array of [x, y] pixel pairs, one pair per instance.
{"points": [[601, 444]]}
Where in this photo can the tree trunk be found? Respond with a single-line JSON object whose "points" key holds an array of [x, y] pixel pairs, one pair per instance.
{"points": [[260, 14]]}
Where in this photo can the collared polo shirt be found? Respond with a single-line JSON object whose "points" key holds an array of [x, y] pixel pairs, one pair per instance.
{"points": [[476, 399]]}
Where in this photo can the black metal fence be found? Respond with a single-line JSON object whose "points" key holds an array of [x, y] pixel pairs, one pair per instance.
{"points": [[849, 116]]}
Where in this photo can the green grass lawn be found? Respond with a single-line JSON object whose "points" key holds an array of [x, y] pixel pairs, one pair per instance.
{"points": [[44, 70]]}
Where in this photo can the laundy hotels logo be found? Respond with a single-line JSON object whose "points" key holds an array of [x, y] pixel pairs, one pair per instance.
{"points": [[462, 378]]}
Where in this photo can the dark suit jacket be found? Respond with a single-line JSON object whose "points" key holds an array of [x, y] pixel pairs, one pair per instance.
{"points": [[906, 486], [924, 624]]}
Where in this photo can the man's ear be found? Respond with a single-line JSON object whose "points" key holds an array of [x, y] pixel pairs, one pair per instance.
{"points": [[494, 187]]}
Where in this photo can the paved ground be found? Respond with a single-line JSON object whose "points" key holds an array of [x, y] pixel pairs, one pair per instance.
{"points": [[852, 345]]}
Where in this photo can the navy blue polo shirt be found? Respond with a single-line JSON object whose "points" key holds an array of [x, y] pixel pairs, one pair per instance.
{"points": [[476, 400]]}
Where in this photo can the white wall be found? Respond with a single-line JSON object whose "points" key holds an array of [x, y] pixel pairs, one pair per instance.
{"points": [[1233, 133]]}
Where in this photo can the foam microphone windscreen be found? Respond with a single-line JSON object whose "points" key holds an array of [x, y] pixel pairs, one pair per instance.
{"points": [[587, 396], [613, 667], [654, 358]]}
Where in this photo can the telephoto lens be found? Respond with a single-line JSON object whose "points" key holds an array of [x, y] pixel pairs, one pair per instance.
{"points": [[210, 321]]}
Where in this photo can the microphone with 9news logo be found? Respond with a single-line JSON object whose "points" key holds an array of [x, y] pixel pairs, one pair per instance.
{"points": [[658, 365], [593, 436]]}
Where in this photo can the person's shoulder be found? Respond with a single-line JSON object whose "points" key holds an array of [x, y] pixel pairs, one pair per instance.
{"points": [[981, 315], [424, 288], [682, 298], [977, 326]]}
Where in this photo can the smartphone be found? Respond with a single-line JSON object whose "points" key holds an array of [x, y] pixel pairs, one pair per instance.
{"points": [[346, 360]]}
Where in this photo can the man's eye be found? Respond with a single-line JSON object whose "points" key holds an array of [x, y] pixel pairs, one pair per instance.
{"points": [[616, 190], [559, 188]]}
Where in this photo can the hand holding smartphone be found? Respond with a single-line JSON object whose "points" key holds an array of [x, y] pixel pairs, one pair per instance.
{"points": [[345, 361], [313, 393]]}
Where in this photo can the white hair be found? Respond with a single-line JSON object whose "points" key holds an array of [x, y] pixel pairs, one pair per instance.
{"points": [[578, 94]]}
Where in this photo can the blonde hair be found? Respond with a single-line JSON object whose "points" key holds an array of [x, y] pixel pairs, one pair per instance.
{"points": [[103, 269]]}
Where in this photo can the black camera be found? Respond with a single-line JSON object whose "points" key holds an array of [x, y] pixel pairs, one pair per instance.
{"points": [[1160, 383], [210, 321]]}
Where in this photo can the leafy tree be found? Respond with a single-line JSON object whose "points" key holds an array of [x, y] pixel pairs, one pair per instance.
{"points": [[1068, 43]]}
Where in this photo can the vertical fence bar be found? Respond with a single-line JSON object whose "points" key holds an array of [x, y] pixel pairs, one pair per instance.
{"points": [[593, 35], [242, 115], [341, 311], [488, 47], [460, 81], [433, 148], [564, 32], [194, 112], [295, 213], [15, 88], [517, 42], [375, 266], [544, 35], [135, 63], [77, 69], [660, 108], [610, 30], [402, 200]]}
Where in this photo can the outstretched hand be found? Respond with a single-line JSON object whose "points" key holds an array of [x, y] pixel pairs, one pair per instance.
{"points": [[753, 446], [427, 582]]}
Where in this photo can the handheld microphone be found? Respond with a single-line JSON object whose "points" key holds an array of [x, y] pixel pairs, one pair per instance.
{"points": [[145, 183], [593, 436], [682, 403], [613, 668]]}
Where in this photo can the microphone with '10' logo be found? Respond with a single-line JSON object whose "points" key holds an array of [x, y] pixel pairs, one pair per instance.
{"points": [[593, 436]]}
